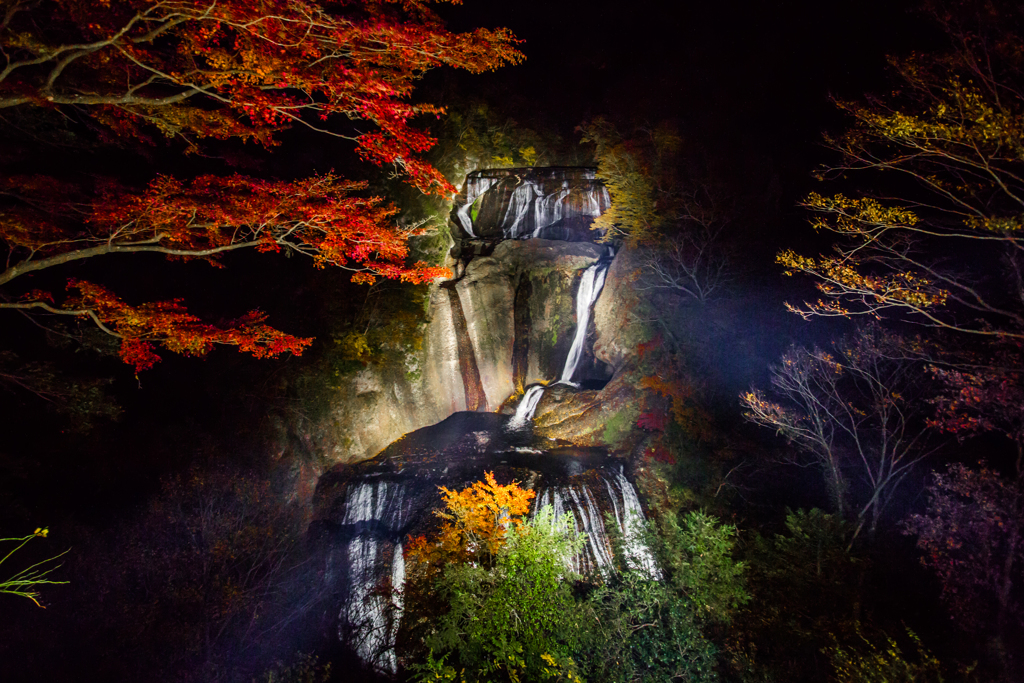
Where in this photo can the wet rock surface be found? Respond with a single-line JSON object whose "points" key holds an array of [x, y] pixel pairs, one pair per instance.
{"points": [[473, 355]]}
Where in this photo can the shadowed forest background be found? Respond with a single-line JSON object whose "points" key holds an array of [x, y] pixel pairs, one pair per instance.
{"points": [[816, 209]]}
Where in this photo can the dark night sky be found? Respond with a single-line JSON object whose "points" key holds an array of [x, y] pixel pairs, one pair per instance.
{"points": [[734, 68]]}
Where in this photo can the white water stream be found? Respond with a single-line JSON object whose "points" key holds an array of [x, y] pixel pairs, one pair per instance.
{"points": [[475, 186], [527, 407], [370, 618], [596, 555], [590, 288], [533, 204]]}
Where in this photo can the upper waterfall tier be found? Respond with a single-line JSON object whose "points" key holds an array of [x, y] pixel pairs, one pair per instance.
{"points": [[557, 203]]}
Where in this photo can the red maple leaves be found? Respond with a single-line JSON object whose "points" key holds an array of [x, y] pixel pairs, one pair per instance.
{"points": [[169, 324], [242, 69]]}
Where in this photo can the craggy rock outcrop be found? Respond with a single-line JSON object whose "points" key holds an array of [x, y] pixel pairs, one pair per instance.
{"points": [[601, 419], [616, 330], [604, 417], [511, 313]]}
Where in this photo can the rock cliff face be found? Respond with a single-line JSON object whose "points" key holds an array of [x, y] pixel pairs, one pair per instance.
{"points": [[506, 322]]}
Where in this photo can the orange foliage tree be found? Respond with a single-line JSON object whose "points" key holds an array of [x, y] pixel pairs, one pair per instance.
{"points": [[242, 68], [234, 69], [476, 521]]}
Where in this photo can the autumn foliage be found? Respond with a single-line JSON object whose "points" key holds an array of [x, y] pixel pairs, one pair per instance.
{"points": [[972, 538], [233, 69], [476, 520], [242, 68], [950, 136]]}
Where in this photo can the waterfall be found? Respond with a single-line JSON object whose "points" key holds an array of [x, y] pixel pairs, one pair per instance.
{"points": [[520, 203], [548, 210], [531, 208], [527, 406], [369, 619], [475, 187], [518, 208], [596, 556], [383, 500], [629, 519], [590, 288]]}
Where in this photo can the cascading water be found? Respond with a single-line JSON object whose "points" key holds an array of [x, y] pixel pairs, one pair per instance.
{"points": [[374, 517], [579, 500], [523, 203], [523, 197], [532, 209], [590, 288], [550, 209], [474, 189], [527, 406], [629, 520]]}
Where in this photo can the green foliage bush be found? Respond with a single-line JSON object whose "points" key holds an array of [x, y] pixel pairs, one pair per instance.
{"points": [[805, 594], [515, 622], [653, 627]]}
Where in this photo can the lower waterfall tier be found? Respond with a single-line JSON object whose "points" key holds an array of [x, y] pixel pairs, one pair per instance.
{"points": [[365, 512]]}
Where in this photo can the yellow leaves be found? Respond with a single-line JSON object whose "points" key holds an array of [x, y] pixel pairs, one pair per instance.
{"points": [[995, 224], [855, 215], [476, 520], [839, 279], [956, 120], [632, 215]]}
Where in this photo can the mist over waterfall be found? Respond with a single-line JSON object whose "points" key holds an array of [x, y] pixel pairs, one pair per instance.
{"points": [[517, 320]]}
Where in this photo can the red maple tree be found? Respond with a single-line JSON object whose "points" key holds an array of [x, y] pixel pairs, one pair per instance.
{"points": [[244, 69], [972, 537]]}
